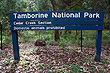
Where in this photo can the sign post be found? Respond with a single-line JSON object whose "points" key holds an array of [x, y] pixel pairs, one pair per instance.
{"points": [[81, 40], [15, 45], [1, 33], [98, 45], [57, 20]]}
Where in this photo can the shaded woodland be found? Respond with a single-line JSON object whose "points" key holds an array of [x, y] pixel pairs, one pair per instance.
{"points": [[62, 53]]}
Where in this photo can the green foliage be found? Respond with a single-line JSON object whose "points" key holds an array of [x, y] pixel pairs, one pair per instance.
{"points": [[6, 40], [44, 5], [7, 63], [41, 65], [107, 24], [66, 39], [15, 61], [62, 42], [7, 6], [106, 38], [24, 63], [52, 42], [73, 68], [64, 48]]}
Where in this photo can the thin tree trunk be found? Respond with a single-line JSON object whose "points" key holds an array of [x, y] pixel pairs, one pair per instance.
{"points": [[56, 31]]}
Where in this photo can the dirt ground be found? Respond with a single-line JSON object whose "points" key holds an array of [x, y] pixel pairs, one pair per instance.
{"points": [[54, 59]]}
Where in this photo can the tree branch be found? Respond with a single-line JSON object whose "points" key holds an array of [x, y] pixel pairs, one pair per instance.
{"points": [[72, 6], [66, 3], [53, 5]]}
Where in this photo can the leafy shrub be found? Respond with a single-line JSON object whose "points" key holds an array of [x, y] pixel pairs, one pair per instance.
{"points": [[107, 24], [52, 42], [63, 42], [6, 40]]}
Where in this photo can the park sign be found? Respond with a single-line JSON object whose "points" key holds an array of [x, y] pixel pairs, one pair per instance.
{"points": [[57, 20]]}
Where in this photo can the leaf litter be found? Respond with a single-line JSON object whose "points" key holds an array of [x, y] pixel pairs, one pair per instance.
{"points": [[56, 59]]}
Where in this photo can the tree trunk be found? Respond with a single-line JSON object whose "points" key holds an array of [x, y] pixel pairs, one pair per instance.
{"points": [[56, 31]]}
